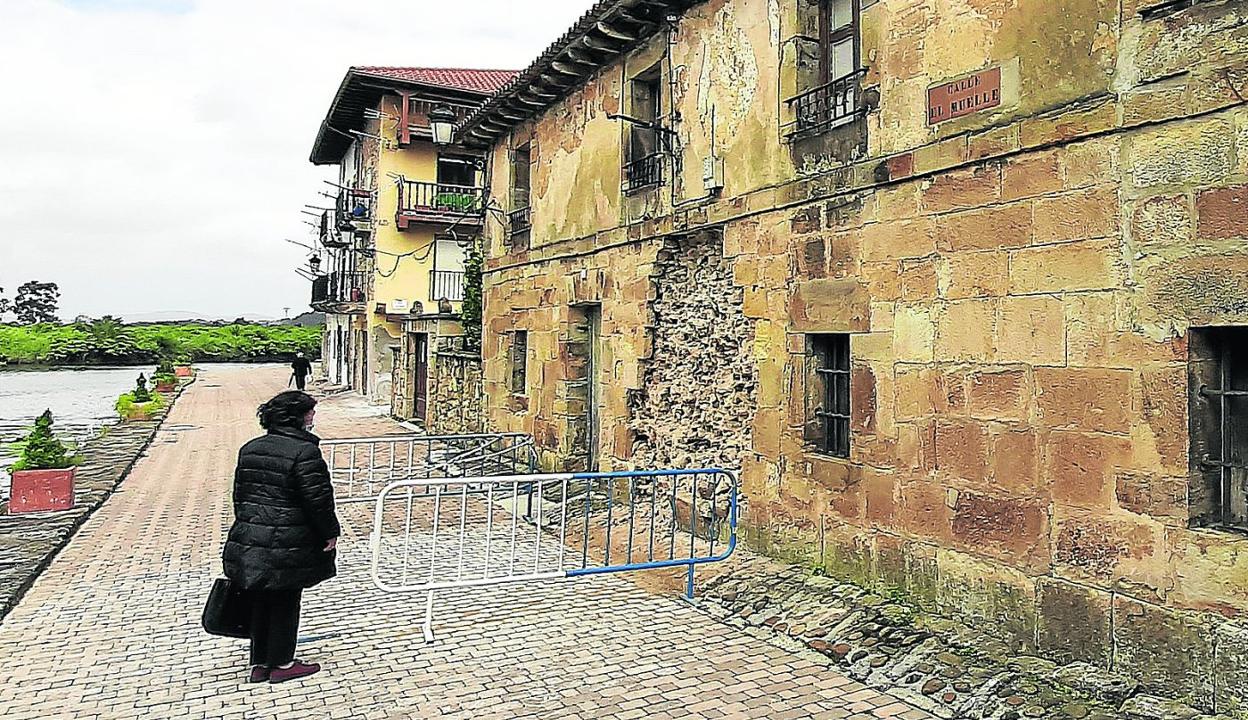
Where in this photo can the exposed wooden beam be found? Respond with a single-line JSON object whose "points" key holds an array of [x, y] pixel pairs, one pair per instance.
{"points": [[577, 56], [555, 82], [599, 45], [562, 67], [606, 29]]}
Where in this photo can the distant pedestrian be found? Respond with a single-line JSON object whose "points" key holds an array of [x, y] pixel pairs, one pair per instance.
{"points": [[285, 532], [302, 368]]}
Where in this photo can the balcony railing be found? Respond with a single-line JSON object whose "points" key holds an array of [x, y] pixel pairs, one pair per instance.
{"points": [[439, 202], [330, 235], [643, 172], [339, 287], [320, 289], [827, 106], [446, 285], [354, 209], [520, 220]]}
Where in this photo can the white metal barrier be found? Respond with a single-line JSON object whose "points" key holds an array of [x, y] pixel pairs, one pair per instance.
{"points": [[360, 467], [436, 534]]}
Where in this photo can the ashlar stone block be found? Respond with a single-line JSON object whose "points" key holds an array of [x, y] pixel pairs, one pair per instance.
{"points": [[1164, 649]]}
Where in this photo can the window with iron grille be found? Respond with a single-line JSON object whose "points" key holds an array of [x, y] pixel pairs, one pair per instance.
{"points": [[519, 361], [519, 218], [1218, 418], [829, 358], [644, 160], [829, 66]]}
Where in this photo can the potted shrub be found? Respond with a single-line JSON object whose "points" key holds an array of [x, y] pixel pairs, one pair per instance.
{"points": [[140, 403], [165, 378], [43, 477], [183, 368]]}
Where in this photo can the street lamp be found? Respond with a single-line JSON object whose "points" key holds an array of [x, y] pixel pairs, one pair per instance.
{"points": [[442, 123]]}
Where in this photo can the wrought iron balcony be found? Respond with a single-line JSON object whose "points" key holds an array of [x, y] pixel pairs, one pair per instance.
{"points": [[320, 290], [337, 290], [354, 210], [643, 172], [520, 220], [446, 285], [439, 203], [822, 108], [330, 236]]}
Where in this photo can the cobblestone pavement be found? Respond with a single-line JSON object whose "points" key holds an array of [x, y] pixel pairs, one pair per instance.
{"points": [[111, 628]]}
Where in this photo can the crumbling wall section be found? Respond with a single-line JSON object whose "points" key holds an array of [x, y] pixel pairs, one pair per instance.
{"points": [[700, 386]]}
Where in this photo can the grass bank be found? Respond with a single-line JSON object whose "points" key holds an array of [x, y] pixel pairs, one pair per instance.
{"points": [[110, 343]]}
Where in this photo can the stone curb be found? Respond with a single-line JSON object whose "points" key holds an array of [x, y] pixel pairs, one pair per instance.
{"points": [[946, 668], [29, 543]]}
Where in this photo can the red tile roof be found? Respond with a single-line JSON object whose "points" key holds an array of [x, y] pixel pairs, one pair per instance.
{"points": [[480, 81]]}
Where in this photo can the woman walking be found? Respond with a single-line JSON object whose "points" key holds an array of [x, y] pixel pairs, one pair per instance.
{"points": [[285, 532]]}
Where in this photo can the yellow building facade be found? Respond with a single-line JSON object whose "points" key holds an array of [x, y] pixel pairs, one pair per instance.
{"points": [[394, 241]]}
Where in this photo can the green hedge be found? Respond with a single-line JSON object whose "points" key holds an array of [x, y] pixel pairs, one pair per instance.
{"points": [[100, 343], [128, 409]]}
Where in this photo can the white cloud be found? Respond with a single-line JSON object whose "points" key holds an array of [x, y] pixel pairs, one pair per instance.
{"points": [[153, 153]]}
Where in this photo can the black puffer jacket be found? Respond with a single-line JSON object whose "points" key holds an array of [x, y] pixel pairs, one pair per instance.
{"points": [[283, 514]]}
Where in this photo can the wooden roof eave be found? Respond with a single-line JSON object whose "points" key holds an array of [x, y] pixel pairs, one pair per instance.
{"points": [[604, 32]]}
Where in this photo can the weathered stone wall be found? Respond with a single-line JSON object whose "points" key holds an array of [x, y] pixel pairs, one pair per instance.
{"points": [[456, 394], [549, 301], [700, 385], [1019, 286]]}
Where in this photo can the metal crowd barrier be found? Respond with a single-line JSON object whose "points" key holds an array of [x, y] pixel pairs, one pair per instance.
{"points": [[360, 467], [437, 534]]}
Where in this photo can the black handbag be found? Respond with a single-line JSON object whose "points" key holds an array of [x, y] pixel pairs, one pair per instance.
{"points": [[226, 613]]}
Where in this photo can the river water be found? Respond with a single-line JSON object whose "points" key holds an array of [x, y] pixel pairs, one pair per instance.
{"points": [[80, 400]]}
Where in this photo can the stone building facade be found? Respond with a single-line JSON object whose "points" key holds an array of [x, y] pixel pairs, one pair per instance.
{"points": [[959, 285]]}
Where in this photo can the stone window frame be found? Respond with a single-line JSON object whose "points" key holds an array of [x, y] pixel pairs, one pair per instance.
{"points": [[829, 391], [795, 93], [518, 356], [519, 215], [650, 166], [1218, 418]]}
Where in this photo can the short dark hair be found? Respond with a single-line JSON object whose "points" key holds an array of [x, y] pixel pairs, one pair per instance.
{"points": [[286, 409]]}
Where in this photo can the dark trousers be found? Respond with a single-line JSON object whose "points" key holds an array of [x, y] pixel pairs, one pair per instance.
{"points": [[301, 381], [274, 625]]}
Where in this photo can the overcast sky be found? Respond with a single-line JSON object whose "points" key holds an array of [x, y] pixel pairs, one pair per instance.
{"points": [[153, 153]]}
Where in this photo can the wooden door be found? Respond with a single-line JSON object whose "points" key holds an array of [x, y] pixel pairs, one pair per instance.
{"points": [[420, 375]]}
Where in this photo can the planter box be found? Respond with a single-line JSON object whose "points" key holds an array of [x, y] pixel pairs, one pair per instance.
{"points": [[145, 411], [184, 371], [166, 387], [42, 491]]}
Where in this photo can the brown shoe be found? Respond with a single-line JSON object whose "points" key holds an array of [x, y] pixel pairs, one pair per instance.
{"points": [[294, 672], [259, 674]]}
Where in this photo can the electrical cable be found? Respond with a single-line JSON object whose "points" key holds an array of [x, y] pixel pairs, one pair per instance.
{"points": [[398, 258]]}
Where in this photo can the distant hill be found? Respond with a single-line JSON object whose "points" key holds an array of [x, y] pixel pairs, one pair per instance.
{"points": [[167, 316], [308, 319]]}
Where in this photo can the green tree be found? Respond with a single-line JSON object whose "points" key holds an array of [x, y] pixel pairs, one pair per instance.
{"points": [[141, 393], [41, 450], [5, 304], [110, 338], [470, 314], [36, 302]]}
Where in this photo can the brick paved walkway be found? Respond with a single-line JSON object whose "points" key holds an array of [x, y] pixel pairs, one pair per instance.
{"points": [[111, 629]]}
